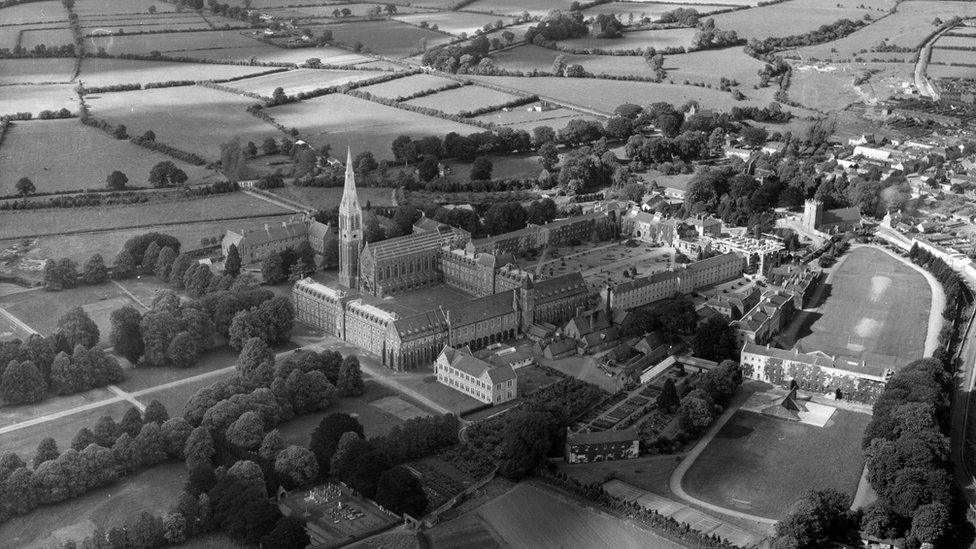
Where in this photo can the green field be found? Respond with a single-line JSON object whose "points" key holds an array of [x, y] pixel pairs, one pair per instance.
{"points": [[299, 80], [35, 12], [454, 22], [466, 98], [657, 39], [37, 98], [41, 309], [324, 198], [63, 155], [408, 85], [761, 465], [876, 304], [97, 72], [35, 71], [46, 37], [799, 16], [387, 38]]}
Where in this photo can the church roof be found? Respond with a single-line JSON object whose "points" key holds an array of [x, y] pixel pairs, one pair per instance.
{"points": [[419, 325], [403, 245], [319, 231], [841, 215], [561, 286], [482, 308]]}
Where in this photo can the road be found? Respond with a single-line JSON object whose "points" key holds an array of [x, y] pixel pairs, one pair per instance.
{"points": [[922, 82]]}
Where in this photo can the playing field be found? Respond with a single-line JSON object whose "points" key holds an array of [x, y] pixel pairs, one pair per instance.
{"points": [[37, 98], [299, 80], [64, 155], [761, 465], [35, 71], [463, 99], [342, 120], [191, 118], [877, 304]]}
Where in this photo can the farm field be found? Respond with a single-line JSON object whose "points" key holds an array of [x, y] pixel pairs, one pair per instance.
{"points": [[35, 71], [963, 29], [300, 80], [34, 12], [108, 7], [362, 126], [123, 28], [27, 223], [524, 115], [65, 155], [46, 37], [514, 517], [958, 57], [323, 198], [947, 71], [409, 85], [325, 11], [956, 42], [154, 490], [36, 98], [650, 10], [192, 118], [463, 99], [822, 90], [876, 304], [454, 22], [144, 44], [797, 16], [271, 54], [657, 39], [96, 72], [900, 29], [516, 7], [761, 465], [606, 95], [389, 38], [504, 166]]}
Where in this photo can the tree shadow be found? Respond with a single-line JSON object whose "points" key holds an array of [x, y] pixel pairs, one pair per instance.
{"points": [[822, 295]]}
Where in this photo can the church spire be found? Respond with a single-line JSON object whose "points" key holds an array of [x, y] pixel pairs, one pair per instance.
{"points": [[350, 198], [350, 229]]}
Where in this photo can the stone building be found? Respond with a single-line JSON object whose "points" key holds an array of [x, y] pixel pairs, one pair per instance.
{"points": [[816, 218], [350, 229], [400, 264], [255, 244], [585, 447], [666, 284], [460, 370]]}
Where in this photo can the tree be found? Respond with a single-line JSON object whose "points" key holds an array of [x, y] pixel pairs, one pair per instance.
{"points": [[296, 467], [525, 443], [247, 431], [399, 491], [931, 524], [148, 531], [60, 274], [350, 382], [816, 519], [95, 270], [668, 399], [46, 451], [232, 264], [256, 361], [125, 266], [358, 464], [715, 340], [116, 180], [754, 135], [325, 437], [25, 186], [289, 532], [164, 262], [272, 445], [125, 336], [78, 328], [694, 414], [131, 422], [481, 169], [106, 431], [149, 257], [199, 449], [273, 269], [22, 383], [155, 413], [82, 439], [166, 174]]}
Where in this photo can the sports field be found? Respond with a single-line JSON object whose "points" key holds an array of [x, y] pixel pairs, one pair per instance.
{"points": [[760, 465], [876, 304]]}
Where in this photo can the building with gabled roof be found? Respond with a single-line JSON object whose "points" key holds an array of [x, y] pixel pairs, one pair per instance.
{"points": [[460, 370], [590, 446], [256, 244]]}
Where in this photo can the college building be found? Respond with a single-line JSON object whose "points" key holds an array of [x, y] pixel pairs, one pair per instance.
{"points": [[256, 244], [460, 370]]}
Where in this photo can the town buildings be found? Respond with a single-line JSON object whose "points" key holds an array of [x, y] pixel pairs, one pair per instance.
{"points": [[818, 220], [586, 447]]}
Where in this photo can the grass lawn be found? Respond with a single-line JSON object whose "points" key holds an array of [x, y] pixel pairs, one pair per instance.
{"points": [[137, 379], [24, 441], [876, 304], [41, 309], [63, 155], [762, 465], [10, 415], [153, 490]]}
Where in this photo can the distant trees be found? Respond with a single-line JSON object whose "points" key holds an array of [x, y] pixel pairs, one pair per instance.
{"points": [[481, 169], [401, 492], [25, 186], [116, 181], [22, 383], [715, 340], [821, 516]]}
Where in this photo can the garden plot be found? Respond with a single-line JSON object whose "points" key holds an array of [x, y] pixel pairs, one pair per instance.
{"points": [[46, 37], [191, 118], [64, 155], [389, 38], [657, 39], [36, 71], [455, 22], [37, 98], [98, 72], [299, 80], [407, 86], [33, 12], [797, 16], [463, 99], [340, 119]]}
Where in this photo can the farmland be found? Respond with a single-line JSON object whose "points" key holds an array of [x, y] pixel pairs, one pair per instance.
{"points": [[799, 16], [516, 7], [657, 39], [36, 12], [35, 71], [650, 10], [97, 72], [466, 98], [409, 85], [36, 98], [751, 465], [526, 115], [101, 7], [264, 53], [362, 125], [326, 11], [144, 44], [192, 118], [454, 22], [299, 80], [21, 224], [46, 37], [64, 155], [389, 38]]}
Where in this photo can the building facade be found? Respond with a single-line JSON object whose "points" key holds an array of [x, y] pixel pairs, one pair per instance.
{"points": [[588, 447], [463, 372], [663, 285]]}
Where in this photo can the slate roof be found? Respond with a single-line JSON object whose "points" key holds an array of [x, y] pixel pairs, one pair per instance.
{"points": [[420, 325], [482, 308], [869, 363], [463, 360], [403, 245], [559, 287], [272, 232], [602, 437]]}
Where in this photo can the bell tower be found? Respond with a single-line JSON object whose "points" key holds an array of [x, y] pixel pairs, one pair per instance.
{"points": [[350, 229]]}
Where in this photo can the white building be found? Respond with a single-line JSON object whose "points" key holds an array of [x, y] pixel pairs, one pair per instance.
{"points": [[461, 371]]}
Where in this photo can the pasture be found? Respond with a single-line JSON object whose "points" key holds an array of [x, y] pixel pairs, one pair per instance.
{"points": [[409, 85], [657, 39], [35, 71], [877, 304], [517, 7], [526, 115], [109, 7], [23, 224], [326, 11], [948, 71], [299, 80], [46, 37], [271, 54], [144, 44], [650, 10], [97, 72], [797, 16], [957, 57], [761, 465], [120, 28], [463, 99], [36, 98], [64, 155], [824, 90], [388, 38], [454, 22], [957, 42], [33, 12], [192, 118], [340, 119]]}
